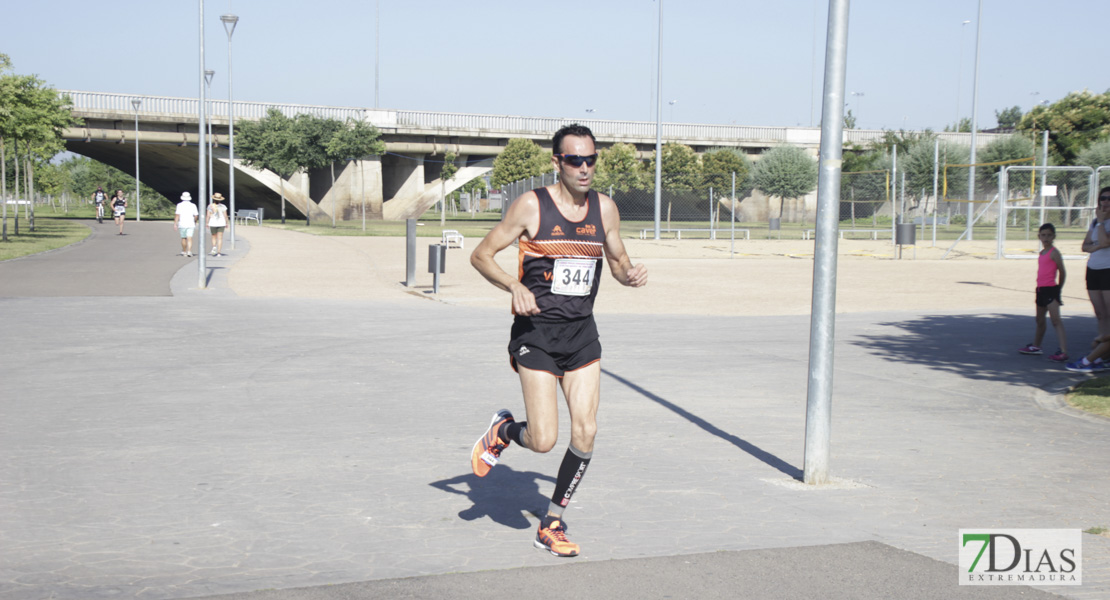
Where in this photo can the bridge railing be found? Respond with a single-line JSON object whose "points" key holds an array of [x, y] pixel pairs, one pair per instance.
{"points": [[506, 125]]}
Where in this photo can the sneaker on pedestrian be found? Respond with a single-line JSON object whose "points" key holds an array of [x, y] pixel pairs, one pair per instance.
{"points": [[188, 254], [1080, 366], [213, 252], [1060, 356], [552, 536], [218, 255], [1030, 349], [487, 450]]}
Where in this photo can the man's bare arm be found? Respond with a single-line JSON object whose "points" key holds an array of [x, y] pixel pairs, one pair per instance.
{"points": [[523, 217], [615, 254]]}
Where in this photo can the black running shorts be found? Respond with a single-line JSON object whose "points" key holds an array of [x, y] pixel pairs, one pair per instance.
{"points": [[1098, 279], [555, 347], [1048, 294]]}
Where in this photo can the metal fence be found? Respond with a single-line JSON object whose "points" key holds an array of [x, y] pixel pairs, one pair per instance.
{"points": [[1032, 196], [684, 211]]}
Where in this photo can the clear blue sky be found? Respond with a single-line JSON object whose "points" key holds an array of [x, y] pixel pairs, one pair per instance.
{"points": [[749, 62]]}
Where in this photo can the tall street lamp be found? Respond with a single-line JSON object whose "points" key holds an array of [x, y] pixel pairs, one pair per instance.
{"points": [[138, 202], [858, 104], [208, 74], [229, 21], [672, 103], [202, 199], [960, 74], [974, 126]]}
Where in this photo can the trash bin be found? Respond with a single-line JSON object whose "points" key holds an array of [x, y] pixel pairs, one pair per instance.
{"points": [[905, 234], [437, 258], [774, 224]]}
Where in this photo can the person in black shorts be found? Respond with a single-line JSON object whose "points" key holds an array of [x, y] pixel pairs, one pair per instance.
{"points": [[563, 232]]}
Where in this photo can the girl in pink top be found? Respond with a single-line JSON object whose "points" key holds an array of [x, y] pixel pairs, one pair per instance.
{"points": [[1049, 264]]}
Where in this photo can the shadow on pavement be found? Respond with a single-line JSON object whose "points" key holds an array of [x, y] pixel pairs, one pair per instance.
{"points": [[504, 495], [764, 456], [957, 344]]}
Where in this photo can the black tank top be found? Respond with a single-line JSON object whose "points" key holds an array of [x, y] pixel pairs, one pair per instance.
{"points": [[561, 265]]}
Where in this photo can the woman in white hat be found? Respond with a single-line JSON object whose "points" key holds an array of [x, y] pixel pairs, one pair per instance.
{"points": [[217, 222]]}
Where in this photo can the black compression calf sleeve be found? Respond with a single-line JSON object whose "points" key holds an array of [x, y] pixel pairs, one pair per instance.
{"points": [[570, 475]]}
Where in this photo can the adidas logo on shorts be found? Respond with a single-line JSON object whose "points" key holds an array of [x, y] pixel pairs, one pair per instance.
{"points": [[523, 351]]}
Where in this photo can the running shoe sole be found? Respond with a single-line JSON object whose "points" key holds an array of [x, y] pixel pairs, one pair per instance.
{"points": [[481, 460]]}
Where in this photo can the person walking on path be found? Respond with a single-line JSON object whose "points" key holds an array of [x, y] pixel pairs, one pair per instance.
{"points": [[563, 231], [217, 222], [119, 209], [185, 220], [1097, 244], [1049, 294]]}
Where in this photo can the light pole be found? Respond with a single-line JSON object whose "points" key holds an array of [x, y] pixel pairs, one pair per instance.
{"points": [[658, 118], [202, 280], [960, 75], [858, 103], [591, 110], [672, 103], [208, 74], [974, 126], [229, 21], [377, 46], [138, 203]]}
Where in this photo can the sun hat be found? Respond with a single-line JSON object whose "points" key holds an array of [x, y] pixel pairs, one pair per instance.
{"points": [[218, 197], [186, 196]]}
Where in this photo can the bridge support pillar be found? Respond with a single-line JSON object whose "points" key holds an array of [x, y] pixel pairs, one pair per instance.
{"points": [[352, 180], [402, 185]]}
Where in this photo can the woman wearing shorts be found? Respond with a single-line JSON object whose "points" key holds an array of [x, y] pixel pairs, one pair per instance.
{"points": [[1097, 244], [119, 209], [217, 222]]}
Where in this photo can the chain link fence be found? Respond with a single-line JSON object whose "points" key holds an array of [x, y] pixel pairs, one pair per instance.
{"points": [[1032, 196]]}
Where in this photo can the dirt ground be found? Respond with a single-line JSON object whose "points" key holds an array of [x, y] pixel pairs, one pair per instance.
{"points": [[697, 277]]}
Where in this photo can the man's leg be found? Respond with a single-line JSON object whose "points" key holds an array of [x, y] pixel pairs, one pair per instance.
{"points": [[582, 391], [541, 408]]}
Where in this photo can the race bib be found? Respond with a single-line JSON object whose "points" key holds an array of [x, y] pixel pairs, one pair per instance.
{"points": [[573, 276]]}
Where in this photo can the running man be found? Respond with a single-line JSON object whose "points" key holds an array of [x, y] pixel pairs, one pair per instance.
{"points": [[119, 209], [563, 231]]}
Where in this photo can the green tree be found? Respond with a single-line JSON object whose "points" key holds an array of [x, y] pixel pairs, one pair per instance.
{"points": [[446, 174], [270, 143], [1008, 118], [356, 140], [1095, 155], [1004, 149], [1073, 122], [618, 168], [32, 116], [849, 119], [681, 168], [964, 126], [521, 158], [786, 172], [717, 167]]}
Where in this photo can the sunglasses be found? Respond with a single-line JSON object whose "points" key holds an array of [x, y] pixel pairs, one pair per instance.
{"points": [[576, 160]]}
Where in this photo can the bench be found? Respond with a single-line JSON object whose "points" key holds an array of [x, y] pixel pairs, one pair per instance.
{"points": [[725, 231], [451, 236], [247, 215], [874, 233]]}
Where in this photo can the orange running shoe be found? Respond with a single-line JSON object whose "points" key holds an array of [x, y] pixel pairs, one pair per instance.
{"points": [[552, 536], [488, 447]]}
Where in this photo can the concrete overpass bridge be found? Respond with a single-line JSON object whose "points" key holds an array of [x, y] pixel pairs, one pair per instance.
{"points": [[402, 183]]}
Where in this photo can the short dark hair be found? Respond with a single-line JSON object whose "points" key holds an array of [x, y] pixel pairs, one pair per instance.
{"points": [[1048, 226], [1103, 191], [572, 129]]}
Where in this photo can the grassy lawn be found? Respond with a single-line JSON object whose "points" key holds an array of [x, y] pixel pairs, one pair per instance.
{"points": [[49, 233], [1092, 396]]}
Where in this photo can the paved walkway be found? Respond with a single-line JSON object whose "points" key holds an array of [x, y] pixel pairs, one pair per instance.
{"points": [[216, 443]]}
